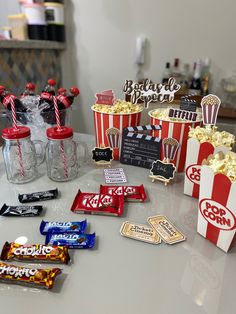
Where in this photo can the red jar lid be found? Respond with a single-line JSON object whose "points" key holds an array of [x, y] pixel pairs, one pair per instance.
{"points": [[59, 134], [15, 134]]}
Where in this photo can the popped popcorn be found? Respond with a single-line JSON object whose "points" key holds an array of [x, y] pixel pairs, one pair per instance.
{"points": [[119, 107], [224, 163], [211, 135]]}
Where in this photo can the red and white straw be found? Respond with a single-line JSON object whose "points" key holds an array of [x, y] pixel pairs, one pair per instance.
{"points": [[62, 149], [14, 120]]}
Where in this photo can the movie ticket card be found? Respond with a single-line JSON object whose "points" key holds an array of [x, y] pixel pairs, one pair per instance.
{"points": [[140, 232], [166, 230]]}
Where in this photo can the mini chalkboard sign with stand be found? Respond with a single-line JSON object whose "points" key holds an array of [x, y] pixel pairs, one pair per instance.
{"points": [[165, 170], [102, 155], [139, 149]]}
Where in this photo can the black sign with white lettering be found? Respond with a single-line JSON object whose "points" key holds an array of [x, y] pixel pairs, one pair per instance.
{"points": [[138, 149], [101, 155], [162, 169]]}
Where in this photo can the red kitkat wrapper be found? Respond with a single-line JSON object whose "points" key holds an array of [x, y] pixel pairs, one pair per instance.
{"points": [[130, 193], [100, 204]]}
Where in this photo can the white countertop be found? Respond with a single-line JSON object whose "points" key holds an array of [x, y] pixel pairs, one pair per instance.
{"points": [[120, 275]]}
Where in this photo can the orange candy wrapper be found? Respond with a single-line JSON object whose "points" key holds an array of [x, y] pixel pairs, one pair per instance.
{"points": [[35, 252], [36, 277]]}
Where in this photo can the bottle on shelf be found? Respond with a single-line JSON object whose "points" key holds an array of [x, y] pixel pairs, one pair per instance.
{"points": [[195, 84], [205, 77], [175, 71], [166, 73], [185, 78]]}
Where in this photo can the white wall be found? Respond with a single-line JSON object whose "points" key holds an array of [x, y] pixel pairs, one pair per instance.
{"points": [[101, 39]]}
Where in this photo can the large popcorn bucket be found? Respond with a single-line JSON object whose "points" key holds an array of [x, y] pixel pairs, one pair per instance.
{"points": [[217, 209], [177, 130], [109, 127], [196, 153]]}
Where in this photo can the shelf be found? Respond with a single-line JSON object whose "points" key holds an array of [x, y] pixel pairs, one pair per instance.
{"points": [[32, 44]]}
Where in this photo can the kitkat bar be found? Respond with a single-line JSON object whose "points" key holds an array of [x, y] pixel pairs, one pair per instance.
{"points": [[35, 253], [34, 277], [217, 208], [130, 193], [196, 153], [100, 204]]}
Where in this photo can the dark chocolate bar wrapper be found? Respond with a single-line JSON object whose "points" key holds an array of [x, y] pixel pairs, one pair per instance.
{"points": [[62, 227], [72, 241], [35, 252], [36, 277], [21, 211], [38, 196]]}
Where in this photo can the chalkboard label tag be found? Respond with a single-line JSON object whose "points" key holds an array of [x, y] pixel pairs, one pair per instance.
{"points": [[102, 155], [162, 171]]}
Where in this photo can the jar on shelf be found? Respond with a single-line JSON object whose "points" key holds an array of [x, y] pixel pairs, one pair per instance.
{"points": [[20, 156]]}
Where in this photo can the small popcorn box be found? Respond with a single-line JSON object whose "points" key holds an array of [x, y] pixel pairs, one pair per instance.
{"points": [[196, 153], [109, 127], [217, 209], [177, 130]]}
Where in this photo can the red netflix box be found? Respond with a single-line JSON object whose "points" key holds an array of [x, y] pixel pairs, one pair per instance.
{"points": [[196, 153], [217, 208]]}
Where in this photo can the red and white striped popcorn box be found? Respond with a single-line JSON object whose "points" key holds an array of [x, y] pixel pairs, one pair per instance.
{"points": [[109, 126], [217, 209], [196, 153], [177, 130]]}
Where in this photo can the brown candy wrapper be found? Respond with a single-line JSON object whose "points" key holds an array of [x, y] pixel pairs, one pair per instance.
{"points": [[35, 252], [36, 277]]}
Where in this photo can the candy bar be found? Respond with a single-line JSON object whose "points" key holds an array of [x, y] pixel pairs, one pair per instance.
{"points": [[35, 252], [101, 204], [36, 277], [139, 232], [22, 211], [130, 193], [62, 227], [38, 196], [72, 241]]}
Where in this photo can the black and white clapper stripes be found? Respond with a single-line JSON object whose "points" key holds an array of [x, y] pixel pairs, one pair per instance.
{"points": [[139, 149]]}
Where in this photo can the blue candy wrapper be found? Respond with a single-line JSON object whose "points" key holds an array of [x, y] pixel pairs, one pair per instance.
{"points": [[72, 241], [62, 227]]}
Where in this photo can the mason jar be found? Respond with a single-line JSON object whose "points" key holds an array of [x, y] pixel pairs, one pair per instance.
{"points": [[62, 154], [20, 155]]}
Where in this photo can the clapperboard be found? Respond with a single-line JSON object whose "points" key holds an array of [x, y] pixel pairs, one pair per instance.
{"points": [[139, 149]]}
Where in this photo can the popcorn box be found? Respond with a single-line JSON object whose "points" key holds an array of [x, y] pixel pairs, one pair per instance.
{"points": [[179, 131], [196, 153], [217, 208], [109, 127]]}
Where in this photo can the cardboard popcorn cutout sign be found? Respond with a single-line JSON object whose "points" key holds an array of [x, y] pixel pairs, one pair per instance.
{"points": [[210, 106], [151, 92], [106, 97]]}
